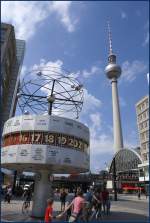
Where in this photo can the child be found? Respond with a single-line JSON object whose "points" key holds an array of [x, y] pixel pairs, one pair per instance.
{"points": [[49, 211]]}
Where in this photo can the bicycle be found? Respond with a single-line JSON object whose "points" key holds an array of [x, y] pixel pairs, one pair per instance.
{"points": [[26, 207]]}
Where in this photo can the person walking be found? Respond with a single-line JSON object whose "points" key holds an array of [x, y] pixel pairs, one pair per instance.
{"points": [[8, 194], [49, 211], [105, 198], [63, 195], [28, 195], [77, 206], [97, 204]]}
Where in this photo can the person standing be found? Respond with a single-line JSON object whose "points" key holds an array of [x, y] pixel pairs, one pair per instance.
{"points": [[139, 193], [63, 195], [105, 198], [146, 194], [49, 211]]}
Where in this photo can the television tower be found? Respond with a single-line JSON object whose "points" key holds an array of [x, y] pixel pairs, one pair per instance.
{"points": [[113, 72]]}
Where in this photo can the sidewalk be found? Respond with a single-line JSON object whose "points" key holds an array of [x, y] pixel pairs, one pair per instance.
{"points": [[132, 197], [122, 210]]}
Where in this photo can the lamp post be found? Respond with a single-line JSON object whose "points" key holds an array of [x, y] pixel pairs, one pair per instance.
{"points": [[114, 180]]}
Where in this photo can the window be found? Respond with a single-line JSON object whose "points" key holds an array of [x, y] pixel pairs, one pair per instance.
{"points": [[141, 126], [144, 115], [145, 124], [142, 136], [147, 113], [146, 135], [143, 106], [144, 146], [146, 103], [140, 117], [141, 172], [139, 109], [3, 34], [145, 156]]}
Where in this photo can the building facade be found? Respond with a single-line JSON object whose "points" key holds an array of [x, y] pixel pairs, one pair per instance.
{"points": [[12, 54], [142, 111]]}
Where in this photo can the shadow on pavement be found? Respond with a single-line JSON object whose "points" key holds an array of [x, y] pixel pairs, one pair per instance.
{"points": [[125, 216], [114, 216]]}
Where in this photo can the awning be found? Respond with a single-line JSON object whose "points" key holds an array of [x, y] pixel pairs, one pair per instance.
{"points": [[132, 188]]}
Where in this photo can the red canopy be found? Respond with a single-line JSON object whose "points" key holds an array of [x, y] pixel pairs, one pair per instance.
{"points": [[132, 188]]}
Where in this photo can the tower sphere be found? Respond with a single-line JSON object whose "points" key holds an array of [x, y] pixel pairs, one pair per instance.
{"points": [[113, 70]]}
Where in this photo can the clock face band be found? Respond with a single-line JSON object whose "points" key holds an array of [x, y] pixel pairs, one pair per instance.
{"points": [[45, 138]]}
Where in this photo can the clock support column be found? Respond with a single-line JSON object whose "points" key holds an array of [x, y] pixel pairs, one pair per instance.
{"points": [[42, 191]]}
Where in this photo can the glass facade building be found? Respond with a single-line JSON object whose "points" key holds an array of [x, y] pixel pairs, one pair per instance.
{"points": [[12, 54]]}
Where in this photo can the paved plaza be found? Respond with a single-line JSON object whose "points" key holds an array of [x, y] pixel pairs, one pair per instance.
{"points": [[127, 208]]}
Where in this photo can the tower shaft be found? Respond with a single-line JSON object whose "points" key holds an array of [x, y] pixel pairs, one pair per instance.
{"points": [[118, 140]]}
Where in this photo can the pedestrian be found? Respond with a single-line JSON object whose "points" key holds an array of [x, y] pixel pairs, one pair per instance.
{"points": [[97, 204], [146, 194], [77, 206], [88, 204], [28, 195], [76, 190], [68, 212], [108, 205], [63, 195], [49, 211], [105, 198], [8, 194], [139, 193]]}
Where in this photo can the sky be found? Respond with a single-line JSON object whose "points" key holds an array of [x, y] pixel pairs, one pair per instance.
{"points": [[74, 36]]}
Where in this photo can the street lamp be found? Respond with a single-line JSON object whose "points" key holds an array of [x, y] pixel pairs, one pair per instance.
{"points": [[114, 180]]}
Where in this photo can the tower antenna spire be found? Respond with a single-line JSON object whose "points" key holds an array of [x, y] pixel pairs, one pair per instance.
{"points": [[110, 38]]}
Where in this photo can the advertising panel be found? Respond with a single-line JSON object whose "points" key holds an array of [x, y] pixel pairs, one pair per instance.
{"points": [[38, 154], [41, 122], [28, 122], [8, 126], [16, 124], [12, 154], [24, 154]]}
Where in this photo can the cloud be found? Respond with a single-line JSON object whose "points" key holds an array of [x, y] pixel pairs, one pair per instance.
{"points": [[96, 120], [62, 8], [90, 103], [101, 144], [26, 16], [94, 70], [130, 71], [148, 78], [123, 15], [146, 39]]}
